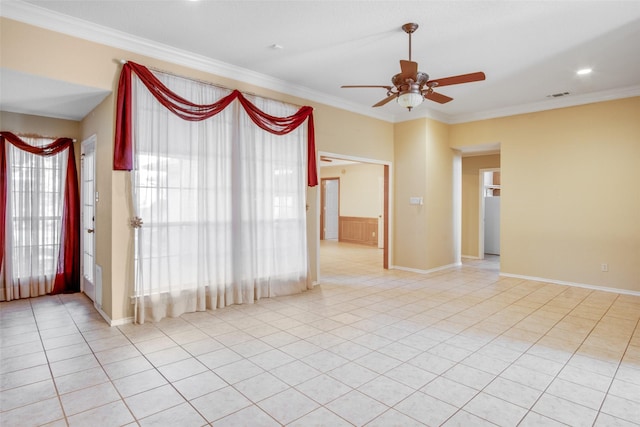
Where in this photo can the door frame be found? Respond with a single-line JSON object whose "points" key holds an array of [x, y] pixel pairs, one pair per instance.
{"points": [[323, 203], [90, 141], [388, 201], [481, 211]]}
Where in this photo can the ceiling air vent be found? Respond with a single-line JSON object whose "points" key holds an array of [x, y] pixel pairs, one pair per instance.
{"points": [[558, 95]]}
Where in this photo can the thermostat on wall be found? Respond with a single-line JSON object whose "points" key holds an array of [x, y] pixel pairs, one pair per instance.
{"points": [[415, 200]]}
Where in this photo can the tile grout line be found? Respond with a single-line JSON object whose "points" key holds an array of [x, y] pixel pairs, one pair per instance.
{"points": [[228, 384], [44, 350], [348, 290], [613, 378], [565, 363], [101, 367]]}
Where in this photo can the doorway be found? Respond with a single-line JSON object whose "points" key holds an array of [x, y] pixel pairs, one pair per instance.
{"points": [[330, 208], [88, 202], [382, 199], [489, 212]]}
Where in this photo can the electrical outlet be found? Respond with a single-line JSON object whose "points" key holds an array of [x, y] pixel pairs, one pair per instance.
{"points": [[604, 267]]}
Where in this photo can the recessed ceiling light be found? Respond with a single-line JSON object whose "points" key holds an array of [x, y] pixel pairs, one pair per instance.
{"points": [[584, 71]]}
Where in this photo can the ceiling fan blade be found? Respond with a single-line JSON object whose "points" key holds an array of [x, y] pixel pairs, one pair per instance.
{"points": [[352, 86], [384, 101], [438, 97], [409, 69], [455, 80]]}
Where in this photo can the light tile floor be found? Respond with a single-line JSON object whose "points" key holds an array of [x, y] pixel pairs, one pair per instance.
{"points": [[460, 347]]}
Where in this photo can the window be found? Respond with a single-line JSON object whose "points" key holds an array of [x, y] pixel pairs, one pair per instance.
{"points": [[35, 195], [39, 206], [222, 203]]}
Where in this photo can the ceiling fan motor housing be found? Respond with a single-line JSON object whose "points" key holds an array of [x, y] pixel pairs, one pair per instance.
{"points": [[404, 84]]}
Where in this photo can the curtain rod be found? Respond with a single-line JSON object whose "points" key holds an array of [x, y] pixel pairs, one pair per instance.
{"points": [[124, 61], [35, 135]]}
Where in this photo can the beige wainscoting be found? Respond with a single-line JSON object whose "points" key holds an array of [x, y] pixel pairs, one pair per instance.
{"points": [[360, 230]]}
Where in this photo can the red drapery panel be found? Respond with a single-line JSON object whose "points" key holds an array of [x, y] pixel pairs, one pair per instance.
{"points": [[187, 110], [68, 270]]}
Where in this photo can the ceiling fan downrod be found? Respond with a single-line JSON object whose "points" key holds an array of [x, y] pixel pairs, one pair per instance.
{"points": [[410, 28]]}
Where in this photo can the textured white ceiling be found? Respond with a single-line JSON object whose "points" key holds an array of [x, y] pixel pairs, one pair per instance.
{"points": [[527, 49]]}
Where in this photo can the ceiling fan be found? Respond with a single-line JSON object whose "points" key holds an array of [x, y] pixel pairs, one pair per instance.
{"points": [[411, 87]]}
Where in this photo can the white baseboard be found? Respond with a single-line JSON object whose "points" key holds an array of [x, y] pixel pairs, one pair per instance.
{"points": [[110, 322], [574, 284], [121, 322], [433, 270]]}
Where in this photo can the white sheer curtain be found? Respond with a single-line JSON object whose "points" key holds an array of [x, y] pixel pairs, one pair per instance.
{"points": [[35, 200], [222, 204]]}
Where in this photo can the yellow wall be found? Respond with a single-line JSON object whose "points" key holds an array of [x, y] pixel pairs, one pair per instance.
{"points": [[439, 200], [359, 188], [570, 191], [42, 52], [43, 126], [471, 199], [94, 124], [423, 235], [409, 222]]}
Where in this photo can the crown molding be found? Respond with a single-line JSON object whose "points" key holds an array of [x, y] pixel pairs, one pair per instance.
{"points": [[58, 22], [547, 104], [54, 21], [550, 104]]}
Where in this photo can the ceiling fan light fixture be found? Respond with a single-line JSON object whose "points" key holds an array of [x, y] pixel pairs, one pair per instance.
{"points": [[410, 99]]}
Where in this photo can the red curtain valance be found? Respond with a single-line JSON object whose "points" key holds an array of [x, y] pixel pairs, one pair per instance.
{"points": [[187, 110], [68, 271]]}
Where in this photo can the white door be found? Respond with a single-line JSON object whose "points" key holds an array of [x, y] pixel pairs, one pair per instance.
{"points": [[331, 207], [492, 225], [88, 200], [381, 214]]}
